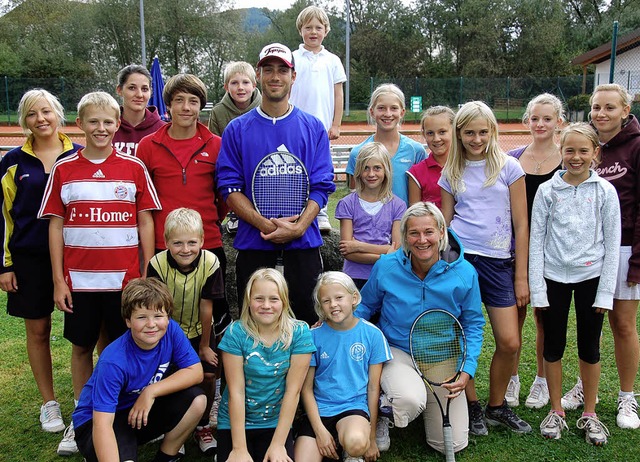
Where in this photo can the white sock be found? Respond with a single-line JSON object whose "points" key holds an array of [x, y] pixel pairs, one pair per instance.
{"points": [[622, 394], [515, 378], [540, 380], [75, 403]]}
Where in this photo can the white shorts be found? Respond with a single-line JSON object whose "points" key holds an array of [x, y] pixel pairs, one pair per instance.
{"points": [[623, 291]]}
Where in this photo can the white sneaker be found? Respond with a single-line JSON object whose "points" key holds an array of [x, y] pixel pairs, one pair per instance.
{"points": [[347, 458], [512, 396], [324, 224], [552, 426], [627, 413], [538, 395], [595, 432], [383, 441], [51, 417], [68, 446], [574, 398], [206, 441]]}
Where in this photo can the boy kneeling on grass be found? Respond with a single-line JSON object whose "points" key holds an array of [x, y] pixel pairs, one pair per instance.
{"points": [[127, 401]]}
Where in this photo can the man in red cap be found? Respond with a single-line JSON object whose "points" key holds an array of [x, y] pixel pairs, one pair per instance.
{"points": [[277, 126]]}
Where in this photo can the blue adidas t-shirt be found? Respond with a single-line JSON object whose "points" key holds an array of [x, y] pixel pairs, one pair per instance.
{"points": [[124, 370], [342, 361]]}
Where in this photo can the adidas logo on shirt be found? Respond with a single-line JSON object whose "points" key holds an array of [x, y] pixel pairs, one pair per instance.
{"points": [[324, 355], [98, 174]]}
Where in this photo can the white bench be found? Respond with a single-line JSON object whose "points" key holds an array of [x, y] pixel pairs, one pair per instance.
{"points": [[340, 155]]}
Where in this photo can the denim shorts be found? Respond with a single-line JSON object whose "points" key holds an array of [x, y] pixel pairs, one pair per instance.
{"points": [[495, 276]]}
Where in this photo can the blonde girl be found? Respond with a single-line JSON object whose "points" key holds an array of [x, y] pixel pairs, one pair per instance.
{"points": [[574, 246], [540, 160], [483, 193], [370, 216], [342, 388], [266, 355], [386, 110], [25, 273], [619, 134], [436, 126]]}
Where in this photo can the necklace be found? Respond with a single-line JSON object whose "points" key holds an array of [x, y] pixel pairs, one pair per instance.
{"points": [[538, 165]]}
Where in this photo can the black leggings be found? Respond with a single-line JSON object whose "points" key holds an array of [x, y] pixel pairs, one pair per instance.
{"points": [[588, 322]]}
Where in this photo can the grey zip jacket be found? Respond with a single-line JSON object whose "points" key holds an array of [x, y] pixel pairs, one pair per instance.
{"points": [[574, 237]]}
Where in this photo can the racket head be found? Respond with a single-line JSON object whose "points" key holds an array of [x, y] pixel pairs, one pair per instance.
{"points": [[280, 185], [438, 346]]}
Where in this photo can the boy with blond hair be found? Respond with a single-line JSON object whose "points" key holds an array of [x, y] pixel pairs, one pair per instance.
{"points": [[241, 95], [99, 204], [196, 282], [319, 79]]}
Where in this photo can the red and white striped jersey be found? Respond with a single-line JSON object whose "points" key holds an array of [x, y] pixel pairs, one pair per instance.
{"points": [[99, 203]]}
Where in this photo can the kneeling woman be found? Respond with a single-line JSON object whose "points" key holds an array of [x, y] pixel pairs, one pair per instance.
{"points": [[428, 272]]}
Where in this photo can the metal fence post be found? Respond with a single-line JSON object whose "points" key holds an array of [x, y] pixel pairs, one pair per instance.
{"points": [[614, 45], [6, 91]]}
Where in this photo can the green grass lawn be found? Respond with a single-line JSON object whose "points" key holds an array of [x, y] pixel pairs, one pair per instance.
{"points": [[21, 438]]}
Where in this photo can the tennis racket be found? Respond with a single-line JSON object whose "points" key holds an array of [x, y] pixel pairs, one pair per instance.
{"points": [[280, 188], [438, 350]]}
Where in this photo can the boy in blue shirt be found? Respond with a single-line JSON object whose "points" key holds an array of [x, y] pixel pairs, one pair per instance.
{"points": [[128, 401]]}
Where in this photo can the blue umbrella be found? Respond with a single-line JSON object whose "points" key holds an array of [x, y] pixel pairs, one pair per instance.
{"points": [[157, 86]]}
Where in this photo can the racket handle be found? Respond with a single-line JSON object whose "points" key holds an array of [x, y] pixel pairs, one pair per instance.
{"points": [[280, 262], [447, 432]]}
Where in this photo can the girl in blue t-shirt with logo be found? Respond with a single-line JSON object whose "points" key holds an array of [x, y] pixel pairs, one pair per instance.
{"points": [[484, 202], [340, 394], [266, 355]]}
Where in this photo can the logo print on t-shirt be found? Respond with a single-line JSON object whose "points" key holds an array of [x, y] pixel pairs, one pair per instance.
{"points": [[98, 174], [120, 192], [357, 351]]}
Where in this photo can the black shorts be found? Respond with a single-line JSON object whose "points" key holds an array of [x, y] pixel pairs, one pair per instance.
{"points": [[90, 309], [34, 298], [258, 442], [304, 428], [195, 344], [166, 413], [301, 270]]}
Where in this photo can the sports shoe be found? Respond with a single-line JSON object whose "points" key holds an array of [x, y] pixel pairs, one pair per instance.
{"points": [[552, 426], [627, 413], [232, 223], [204, 438], [595, 432], [538, 395], [477, 425], [347, 458], [51, 417], [512, 396], [382, 433], [68, 446], [324, 224], [503, 415], [574, 398]]}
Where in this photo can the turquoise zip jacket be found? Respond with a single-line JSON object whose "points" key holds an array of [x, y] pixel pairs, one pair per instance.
{"points": [[23, 181], [400, 296]]}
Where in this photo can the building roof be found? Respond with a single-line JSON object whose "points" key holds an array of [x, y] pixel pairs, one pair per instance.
{"points": [[603, 52]]}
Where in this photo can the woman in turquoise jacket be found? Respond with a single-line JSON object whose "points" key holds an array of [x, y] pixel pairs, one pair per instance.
{"points": [[428, 272]]}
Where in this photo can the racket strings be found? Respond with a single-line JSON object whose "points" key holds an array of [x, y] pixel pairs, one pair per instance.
{"points": [[438, 348], [280, 186]]}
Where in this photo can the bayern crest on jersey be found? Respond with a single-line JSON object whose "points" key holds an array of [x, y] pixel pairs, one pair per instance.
{"points": [[120, 192]]}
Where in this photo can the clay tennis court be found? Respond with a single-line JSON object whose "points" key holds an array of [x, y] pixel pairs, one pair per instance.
{"points": [[511, 135]]}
